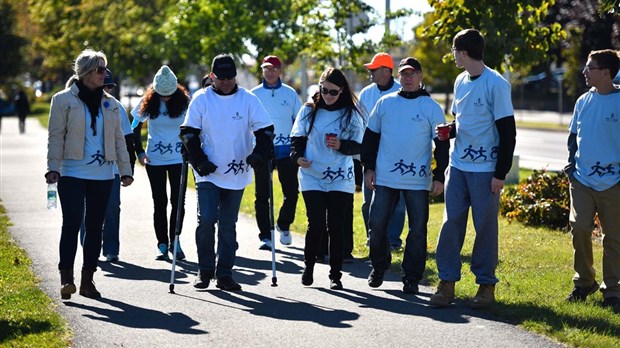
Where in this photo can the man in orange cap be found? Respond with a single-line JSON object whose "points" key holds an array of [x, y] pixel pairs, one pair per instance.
{"points": [[383, 83]]}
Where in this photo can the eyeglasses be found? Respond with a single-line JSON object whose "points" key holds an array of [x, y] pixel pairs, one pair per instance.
{"points": [[100, 69], [332, 92], [589, 68]]}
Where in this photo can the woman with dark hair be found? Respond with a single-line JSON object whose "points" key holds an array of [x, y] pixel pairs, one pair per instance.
{"points": [[85, 140], [163, 106], [325, 136]]}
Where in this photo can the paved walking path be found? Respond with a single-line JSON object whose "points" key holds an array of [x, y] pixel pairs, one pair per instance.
{"points": [[137, 311]]}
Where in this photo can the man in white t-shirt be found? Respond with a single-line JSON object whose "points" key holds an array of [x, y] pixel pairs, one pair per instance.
{"points": [[397, 151], [383, 83], [485, 137], [282, 104], [223, 122], [594, 174]]}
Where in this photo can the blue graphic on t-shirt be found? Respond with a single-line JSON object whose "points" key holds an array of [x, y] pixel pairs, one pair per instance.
{"points": [[329, 174], [480, 153], [163, 149], [99, 158], [281, 139], [494, 151], [602, 171], [350, 173], [401, 166], [236, 167], [611, 118], [423, 171]]}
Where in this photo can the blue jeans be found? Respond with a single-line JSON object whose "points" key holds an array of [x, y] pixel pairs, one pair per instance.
{"points": [[82, 200], [111, 224], [414, 258], [397, 219], [221, 206], [462, 191]]}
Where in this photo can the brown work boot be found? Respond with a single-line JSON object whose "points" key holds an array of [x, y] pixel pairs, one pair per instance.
{"points": [[484, 297], [67, 286], [87, 285], [444, 295]]}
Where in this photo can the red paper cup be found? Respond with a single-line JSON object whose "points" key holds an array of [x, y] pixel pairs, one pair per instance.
{"points": [[443, 131]]}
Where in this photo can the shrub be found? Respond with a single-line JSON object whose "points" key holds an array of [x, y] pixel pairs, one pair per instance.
{"points": [[543, 199]]}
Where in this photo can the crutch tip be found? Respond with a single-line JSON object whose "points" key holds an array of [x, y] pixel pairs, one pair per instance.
{"points": [[171, 289], [274, 281]]}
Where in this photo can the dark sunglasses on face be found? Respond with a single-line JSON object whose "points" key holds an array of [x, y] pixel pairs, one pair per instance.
{"points": [[332, 92], [100, 69]]}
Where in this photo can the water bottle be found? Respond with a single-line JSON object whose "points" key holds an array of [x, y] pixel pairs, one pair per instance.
{"points": [[52, 196]]}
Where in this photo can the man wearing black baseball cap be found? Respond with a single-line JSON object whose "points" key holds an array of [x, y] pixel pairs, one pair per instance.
{"points": [[403, 120], [222, 123]]}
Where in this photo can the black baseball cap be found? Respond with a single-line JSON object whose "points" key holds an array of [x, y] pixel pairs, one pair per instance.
{"points": [[223, 66], [409, 63]]}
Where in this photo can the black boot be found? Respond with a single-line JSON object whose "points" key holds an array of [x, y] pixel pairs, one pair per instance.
{"points": [[87, 285], [67, 286], [307, 277]]}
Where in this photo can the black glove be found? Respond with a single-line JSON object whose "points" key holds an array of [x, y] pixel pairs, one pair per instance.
{"points": [[199, 160], [205, 167], [255, 160]]}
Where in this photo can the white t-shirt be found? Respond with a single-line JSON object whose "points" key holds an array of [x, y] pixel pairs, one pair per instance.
{"points": [[93, 165], [477, 105], [371, 94], [596, 121], [407, 129], [282, 104], [163, 145], [227, 124], [330, 170]]}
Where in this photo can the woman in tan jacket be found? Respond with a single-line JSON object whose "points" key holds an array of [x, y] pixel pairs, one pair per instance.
{"points": [[84, 141]]}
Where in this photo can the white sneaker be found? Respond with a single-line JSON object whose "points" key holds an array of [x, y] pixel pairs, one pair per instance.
{"points": [[265, 244], [285, 236]]}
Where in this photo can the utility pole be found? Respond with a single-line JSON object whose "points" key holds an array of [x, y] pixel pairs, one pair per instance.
{"points": [[387, 21]]}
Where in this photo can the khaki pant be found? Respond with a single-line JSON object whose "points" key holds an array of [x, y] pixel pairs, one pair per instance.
{"points": [[585, 202]]}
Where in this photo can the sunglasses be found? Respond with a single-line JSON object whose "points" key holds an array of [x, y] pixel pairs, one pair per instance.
{"points": [[100, 69], [332, 92]]}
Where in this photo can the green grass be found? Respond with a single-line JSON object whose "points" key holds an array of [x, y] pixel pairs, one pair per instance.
{"points": [[27, 315], [535, 272]]}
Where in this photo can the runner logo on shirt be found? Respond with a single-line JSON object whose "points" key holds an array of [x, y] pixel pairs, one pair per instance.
{"points": [[281, 139], [284, 103], [416, 118], [475, 155], [602, 171], [166, 149], [237, 167], [405, 169], [236, 116], [478, 103], [98, 158], [612, 118], [334, 175]]}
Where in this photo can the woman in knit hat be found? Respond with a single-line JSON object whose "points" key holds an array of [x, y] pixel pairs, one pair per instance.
{"points": [[163, 106]]}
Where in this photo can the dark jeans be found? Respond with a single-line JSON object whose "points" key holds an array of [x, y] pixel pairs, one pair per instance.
{"points": [[79, 198], [326, 216], [414, 258], [157, 178], [287, 174]]}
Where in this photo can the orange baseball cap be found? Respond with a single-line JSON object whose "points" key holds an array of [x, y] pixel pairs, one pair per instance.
{"points": [[381, 60]]}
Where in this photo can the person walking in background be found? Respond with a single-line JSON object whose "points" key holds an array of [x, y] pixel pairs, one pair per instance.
{"points": [[221, 124], [282, 104], [85, 139], [482, 156], [163, 106], [22, 108], [403, 120], [593, 168], [325, 136], [380, 69]]}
